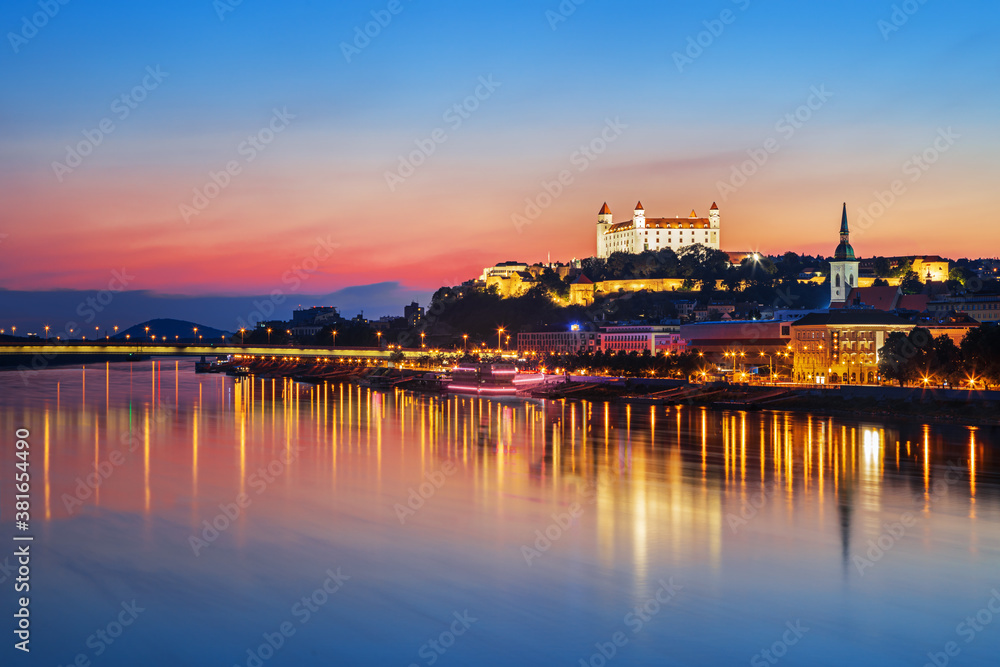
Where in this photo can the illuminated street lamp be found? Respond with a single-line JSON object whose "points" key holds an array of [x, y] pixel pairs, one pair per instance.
{"points": [[465, 341], [46, 332], [499, 334], [422, 336], [242, 331], [334, 333], [268, 335], [378, 335], [147, 332]]}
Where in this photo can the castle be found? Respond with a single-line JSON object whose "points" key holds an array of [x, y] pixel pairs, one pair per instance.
{"points": [[642, 233]]}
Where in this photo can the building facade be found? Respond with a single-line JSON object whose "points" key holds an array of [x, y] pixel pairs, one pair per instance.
{"points": [[841, 346], [558, 342], [980, 306], [640, 338], [641, 233]]}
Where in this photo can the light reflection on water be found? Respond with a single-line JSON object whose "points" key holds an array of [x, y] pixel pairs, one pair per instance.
{"points": [[548, 521]]}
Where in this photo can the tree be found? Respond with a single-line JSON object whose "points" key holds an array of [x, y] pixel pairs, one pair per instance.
{"points": [[911, 283], [882, 268], [904, 357], [981, 354], [945, 360]]}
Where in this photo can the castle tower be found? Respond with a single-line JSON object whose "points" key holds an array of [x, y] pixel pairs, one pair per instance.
{"points": [[715, 224], [603, 224], [844, 267], [604, 217], [639, 216], [713, 216]]}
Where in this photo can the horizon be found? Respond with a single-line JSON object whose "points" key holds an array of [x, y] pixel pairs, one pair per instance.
{"points": [[332, 160]]}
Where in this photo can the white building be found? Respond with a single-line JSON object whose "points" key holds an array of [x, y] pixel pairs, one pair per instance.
{"points": [[502, 270], [844, 267], [642, 233], [655, 339]]}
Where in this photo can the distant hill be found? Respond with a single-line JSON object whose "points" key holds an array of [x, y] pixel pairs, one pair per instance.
{"points": [[173, 330]]}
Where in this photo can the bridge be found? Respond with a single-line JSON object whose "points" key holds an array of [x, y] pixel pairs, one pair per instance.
{"points": [[50, 351]]}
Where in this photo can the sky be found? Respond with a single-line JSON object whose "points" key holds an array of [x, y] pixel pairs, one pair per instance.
{"points": [[234, 149]]}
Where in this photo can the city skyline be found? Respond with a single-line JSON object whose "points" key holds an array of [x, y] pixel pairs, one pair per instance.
{"points": [[392, 164]]}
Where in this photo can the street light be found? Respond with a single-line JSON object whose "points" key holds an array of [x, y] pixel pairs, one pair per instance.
{"points": [[242, 331], [46, 332], [268, 335], [499, 334], [465, 341], [378, 335], [334, 332], [422, 335], [147, 332]]}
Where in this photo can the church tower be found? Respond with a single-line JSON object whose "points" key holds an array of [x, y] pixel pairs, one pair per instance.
{"points": [[844, 267]]}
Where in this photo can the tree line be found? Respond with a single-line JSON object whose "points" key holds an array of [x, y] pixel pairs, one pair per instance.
{"points": [[918, 358]]}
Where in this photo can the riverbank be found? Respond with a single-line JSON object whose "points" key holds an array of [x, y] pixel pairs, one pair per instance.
{"points": [[979, 408]]}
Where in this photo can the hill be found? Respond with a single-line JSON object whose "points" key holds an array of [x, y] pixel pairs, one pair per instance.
{"points": [[173, 330]]}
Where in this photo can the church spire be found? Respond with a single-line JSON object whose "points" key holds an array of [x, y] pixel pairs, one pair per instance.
{"points": [[845, 233]]}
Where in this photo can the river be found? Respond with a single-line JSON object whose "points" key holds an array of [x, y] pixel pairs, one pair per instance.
{"points": [[183, 519]]}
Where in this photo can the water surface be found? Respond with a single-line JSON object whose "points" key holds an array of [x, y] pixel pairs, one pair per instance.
{"points": [[457, 531]]}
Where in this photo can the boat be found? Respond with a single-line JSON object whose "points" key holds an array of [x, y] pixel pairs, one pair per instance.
{"points": [[486, 379]]}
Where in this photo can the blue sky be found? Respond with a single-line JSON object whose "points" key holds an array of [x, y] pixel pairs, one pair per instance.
{"points": [[891, 93]]}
